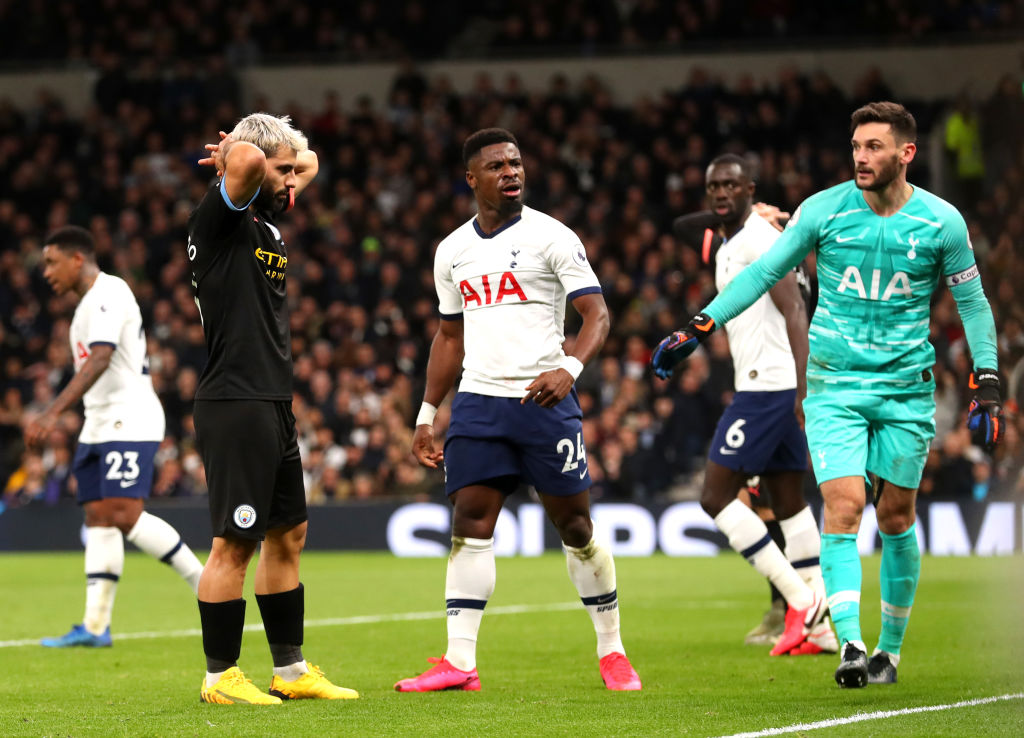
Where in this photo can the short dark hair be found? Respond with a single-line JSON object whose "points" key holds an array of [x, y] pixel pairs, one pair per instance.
{"points": [[722, 159], [904, 127], [485, 137], [72, 238]]}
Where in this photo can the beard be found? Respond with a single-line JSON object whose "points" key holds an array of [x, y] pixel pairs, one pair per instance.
{"points": [[268, 202], [508, 209], [884, 176]]}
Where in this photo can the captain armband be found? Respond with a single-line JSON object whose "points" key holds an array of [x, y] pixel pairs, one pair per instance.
{"points": [[952, 280]]}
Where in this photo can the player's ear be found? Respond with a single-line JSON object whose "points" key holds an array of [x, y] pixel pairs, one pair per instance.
{"points": [[907, 152], [471, 179]]}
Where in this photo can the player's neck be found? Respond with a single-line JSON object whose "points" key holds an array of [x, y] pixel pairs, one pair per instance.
{"points": [[87, 279], [731, 229], [491, 220], [891, 199]]}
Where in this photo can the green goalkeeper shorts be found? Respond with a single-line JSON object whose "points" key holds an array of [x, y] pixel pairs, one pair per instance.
{"points": [[852, 432]]}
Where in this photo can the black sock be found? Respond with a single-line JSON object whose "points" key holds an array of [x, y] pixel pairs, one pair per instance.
{"points": [[222, 633], [775, 531], [282, 614]]}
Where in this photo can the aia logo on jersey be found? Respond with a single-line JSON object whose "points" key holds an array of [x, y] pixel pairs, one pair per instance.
{"points": [[485, 293]]}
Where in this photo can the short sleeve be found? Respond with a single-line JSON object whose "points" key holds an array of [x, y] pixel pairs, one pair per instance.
{"points": [[210, 227], [105, 317], [448, 296], [568, 260]]}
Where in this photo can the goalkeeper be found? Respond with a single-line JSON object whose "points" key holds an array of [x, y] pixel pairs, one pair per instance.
{"points": [[881, 245]]}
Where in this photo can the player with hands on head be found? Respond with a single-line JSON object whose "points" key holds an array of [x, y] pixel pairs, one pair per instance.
{"points": [[761, 432], [502, 280], [245, 429], [882, 245], [124, 425]]}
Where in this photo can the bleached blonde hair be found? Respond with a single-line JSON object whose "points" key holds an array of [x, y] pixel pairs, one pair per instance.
{"points": [[269, 132]]}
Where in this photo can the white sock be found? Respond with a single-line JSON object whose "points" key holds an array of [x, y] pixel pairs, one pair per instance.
{"points": [[592, 571], [803, 547], [157, 538], [212, 677], [291, 672], [749, 537], [104, 563], [467, 587]]}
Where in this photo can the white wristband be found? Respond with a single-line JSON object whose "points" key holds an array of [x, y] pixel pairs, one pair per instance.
{"points": [[426, 414], [572, 365]]}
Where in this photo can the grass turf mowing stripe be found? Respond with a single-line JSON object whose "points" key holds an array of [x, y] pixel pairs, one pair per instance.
{"points": [[880, 715]]}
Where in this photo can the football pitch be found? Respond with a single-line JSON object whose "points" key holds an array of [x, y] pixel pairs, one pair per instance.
{"points": [[372, 619]]}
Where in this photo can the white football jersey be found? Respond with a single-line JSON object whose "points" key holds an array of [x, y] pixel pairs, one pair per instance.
{"points": [[121, 405], [510, 289], [761, 354]]}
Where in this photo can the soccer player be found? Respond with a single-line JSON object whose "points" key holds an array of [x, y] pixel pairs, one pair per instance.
{"points": [[124, 424], [761, 432], [502, 280], [882, 245], [245, 429]]}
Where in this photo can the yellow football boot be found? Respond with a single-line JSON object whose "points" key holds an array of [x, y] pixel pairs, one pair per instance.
{"points": [[311, 685], [234, 689]]}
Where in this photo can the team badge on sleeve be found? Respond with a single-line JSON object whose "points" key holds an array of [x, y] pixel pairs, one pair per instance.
{"points": [[579, 255], [245, 516]]}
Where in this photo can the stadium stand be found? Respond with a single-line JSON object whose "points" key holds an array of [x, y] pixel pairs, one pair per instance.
{"points": [[391, 185]]}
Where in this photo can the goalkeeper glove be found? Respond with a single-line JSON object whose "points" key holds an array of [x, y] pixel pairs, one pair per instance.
{"points": [[985, 415], [677, 346]]}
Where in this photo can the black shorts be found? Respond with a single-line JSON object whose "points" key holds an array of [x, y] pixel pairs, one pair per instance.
{"points": [[253, 470]]}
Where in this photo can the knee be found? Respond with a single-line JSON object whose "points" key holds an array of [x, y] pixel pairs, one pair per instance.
{"points": [[712, 503], [229, 554], [575, 530], [894, 522], [843, 516]]}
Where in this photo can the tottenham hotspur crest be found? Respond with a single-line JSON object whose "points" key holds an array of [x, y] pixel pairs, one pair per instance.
{"points": [[515, 253]]}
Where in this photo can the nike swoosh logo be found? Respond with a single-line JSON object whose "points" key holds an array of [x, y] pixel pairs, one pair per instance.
{"points": [[605, 599], [583, 473], [129, 484], [840, 239], [727, 451]]}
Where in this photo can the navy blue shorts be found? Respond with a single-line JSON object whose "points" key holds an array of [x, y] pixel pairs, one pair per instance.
{"points": [[493, 437], [114, 469], [759, 433]]}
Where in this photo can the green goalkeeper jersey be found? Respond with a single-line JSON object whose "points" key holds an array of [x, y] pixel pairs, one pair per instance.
{"points": [[876, 277]]}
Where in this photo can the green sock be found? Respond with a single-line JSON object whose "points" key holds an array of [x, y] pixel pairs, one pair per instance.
{"points": [[901, 568], [840, 567]]}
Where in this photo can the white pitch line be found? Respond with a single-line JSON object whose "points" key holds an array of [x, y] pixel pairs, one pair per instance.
{"points": [[364, 620], [880, 715], [326, 622]]}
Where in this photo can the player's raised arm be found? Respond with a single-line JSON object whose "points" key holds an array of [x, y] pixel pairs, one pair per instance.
{"points": [[551, 387], [446, 353], [242, 165], [306, 167]]}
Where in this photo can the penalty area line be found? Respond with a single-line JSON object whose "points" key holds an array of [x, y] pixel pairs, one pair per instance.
{"points": [[880, 715]]}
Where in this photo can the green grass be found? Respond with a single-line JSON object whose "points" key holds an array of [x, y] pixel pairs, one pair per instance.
{"points": [[683, 625]]}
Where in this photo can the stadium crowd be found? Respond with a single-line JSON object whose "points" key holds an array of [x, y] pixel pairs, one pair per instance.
{"points": [[159, 35], [391, 185]]}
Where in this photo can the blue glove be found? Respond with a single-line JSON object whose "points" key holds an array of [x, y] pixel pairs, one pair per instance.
{"points": [[985, 415], [677, 346]]}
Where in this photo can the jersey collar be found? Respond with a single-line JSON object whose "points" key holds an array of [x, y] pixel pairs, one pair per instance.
{"points": [[480, 231]]}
